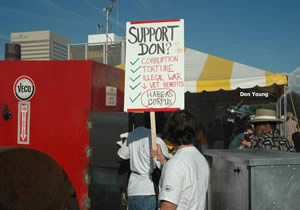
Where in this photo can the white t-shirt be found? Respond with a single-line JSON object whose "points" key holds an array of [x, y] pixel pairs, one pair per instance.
{"points": [[137, 148], [184, 180]]}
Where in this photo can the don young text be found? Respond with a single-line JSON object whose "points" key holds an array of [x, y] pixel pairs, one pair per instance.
{"points": [[254, 94]]}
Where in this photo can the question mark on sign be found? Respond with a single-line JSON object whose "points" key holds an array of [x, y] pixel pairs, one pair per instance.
{"points": [[168, 45]]}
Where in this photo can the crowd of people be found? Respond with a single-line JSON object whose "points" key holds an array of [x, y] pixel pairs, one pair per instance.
{"points": [[184, 178]]}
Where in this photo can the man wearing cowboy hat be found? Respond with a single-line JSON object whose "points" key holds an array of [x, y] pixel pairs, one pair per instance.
{"points": [[266, 138]]}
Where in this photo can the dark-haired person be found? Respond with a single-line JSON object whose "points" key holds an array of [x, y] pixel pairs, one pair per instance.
{"points": [[140, 190], [184, 180], [244, 132]]}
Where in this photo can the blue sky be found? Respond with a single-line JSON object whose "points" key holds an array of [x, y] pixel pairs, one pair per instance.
{"points": [[260, 33]]}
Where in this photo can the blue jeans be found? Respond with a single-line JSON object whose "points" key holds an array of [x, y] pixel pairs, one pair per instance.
{"points": [[142, 202]]}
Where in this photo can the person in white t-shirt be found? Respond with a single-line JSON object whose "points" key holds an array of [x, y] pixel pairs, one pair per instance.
{"points": [[184, 179], [141, 193]]}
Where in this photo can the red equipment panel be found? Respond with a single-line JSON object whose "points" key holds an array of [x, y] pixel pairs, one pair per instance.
{"points": [[53, 119]]}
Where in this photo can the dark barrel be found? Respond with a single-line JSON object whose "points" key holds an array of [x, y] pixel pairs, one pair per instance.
{"points": [[12, 51], [31, 180]]}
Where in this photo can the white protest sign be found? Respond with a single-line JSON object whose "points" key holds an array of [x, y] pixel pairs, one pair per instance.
{"points": [[154, 76]]}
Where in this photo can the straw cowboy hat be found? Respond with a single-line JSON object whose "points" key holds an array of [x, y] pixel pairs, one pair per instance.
{"points": [[265, 115]]}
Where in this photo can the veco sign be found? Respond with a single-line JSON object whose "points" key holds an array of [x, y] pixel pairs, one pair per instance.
{"points": [[154, 76], [24, 89]]}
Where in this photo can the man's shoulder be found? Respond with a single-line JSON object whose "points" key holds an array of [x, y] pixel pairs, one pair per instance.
{"points": [[280, 141], [257, 138], [281, 138], [139, 131], [185, 160], [295, 123], [186, 154], [174, 163], [290, 121], [160, 141], [239, 136]]}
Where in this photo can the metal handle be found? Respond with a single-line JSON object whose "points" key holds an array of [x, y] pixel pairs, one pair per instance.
{"points": [[6, 114], [237, 170]]}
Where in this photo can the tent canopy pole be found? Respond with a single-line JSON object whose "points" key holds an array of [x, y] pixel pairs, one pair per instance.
{"points": [[285, 110]]}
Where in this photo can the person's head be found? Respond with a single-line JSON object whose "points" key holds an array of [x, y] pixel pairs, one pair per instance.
{"points": [[290, 116], [264, 121], [180, 128], [262, 128], [249, 129]]}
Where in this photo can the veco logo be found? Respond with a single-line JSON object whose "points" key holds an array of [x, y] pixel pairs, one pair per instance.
{"points": [[24, 88]]}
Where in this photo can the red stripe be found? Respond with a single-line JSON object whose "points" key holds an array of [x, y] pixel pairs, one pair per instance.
{"points": [[154, 110], [154, 21]]}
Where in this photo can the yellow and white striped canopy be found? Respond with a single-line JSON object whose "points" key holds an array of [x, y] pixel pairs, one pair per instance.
{"points": [[211, 73]]}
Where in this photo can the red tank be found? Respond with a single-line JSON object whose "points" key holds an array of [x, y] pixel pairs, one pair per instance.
{"points": [[44, 129]]}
